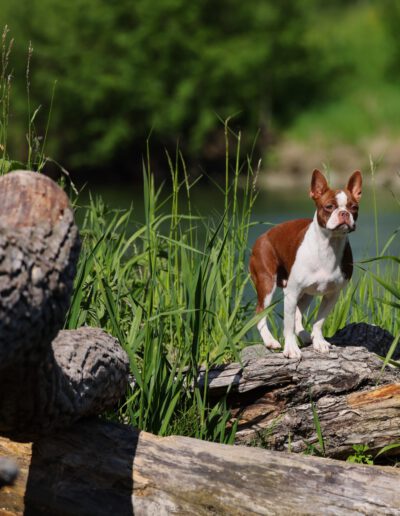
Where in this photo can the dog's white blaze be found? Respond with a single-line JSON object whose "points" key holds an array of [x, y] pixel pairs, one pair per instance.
{"points": [[341, 199]]}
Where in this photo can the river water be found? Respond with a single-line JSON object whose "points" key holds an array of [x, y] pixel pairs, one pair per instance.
{"points": [[278, 206]]}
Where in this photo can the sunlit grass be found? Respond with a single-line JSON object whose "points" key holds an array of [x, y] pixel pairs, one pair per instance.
{"points": [[172, 290], [175, 290]]}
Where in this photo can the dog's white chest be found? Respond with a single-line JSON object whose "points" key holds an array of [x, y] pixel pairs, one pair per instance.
{"points": [[317, 268]]}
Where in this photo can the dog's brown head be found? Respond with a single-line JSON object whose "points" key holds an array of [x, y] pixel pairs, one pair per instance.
{"points": [[337, 210]]}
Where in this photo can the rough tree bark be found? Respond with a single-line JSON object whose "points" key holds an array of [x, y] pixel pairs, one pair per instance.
{"points": [[355, 402], [99, 469], [39, 246], [84, 372], [46, 381]]}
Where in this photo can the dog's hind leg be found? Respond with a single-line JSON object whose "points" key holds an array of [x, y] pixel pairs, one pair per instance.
{"points": [[262, 325], [327, 303], [302, 306], [263, 272]]}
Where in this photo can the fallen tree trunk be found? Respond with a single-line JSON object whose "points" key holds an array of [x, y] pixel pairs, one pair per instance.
{"points": [[271, 396], [98, 468]]}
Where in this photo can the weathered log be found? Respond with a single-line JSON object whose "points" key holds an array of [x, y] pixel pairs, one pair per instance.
{"points": [[83, 373], [271, 397], [39, 246], [46, 382], [96, 468]]}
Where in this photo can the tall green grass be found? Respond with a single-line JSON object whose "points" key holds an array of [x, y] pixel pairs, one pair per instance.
{"points": [[172, 290], [175, 290], [36, 158]]}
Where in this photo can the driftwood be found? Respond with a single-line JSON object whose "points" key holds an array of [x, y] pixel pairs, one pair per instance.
{"points": [[48, 379], [271, 396], [100, 469]]}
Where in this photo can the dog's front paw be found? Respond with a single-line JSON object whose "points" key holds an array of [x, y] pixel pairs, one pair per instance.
{"points": [[291, 350], [268, 339], [272, 344], [321, 345]]}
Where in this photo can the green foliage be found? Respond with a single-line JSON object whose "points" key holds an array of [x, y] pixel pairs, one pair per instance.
{"points": [[126, 68], [35, 158], [391, 16], [363, 99], [174, 300], [5, 86], [386, 449], [361, 455], [311, 448], [392, 291], [318, 429]]}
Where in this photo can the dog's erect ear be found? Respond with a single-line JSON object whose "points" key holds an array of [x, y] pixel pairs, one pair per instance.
{"points": [[319, 185], [354, 185]]}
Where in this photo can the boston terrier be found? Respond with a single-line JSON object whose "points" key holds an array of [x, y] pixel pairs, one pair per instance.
{"points": [[307, 257]]}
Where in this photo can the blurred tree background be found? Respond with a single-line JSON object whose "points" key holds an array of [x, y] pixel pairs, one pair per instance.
{"points": [[294, 70]]}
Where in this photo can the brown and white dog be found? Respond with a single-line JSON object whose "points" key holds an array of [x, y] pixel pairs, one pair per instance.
{"points": [[307, 257]]}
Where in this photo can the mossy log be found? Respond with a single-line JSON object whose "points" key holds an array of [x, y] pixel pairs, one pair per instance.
{"points": [[48, 378], [356, 403], [97, 468]]}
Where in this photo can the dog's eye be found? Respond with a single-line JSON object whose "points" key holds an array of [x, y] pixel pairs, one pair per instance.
{"points": [[354, 207], [328, 207]]}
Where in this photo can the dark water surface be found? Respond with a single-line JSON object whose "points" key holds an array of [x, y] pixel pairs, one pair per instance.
{"points": [[278, 206]]}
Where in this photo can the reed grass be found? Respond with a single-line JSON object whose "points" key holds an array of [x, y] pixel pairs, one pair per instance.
{"points": [[172, 290], [175, 290]]}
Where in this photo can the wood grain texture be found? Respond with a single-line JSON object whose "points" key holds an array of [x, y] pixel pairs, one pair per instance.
{"points": [[271, 397], [98, 469], [29, 199], [83, 373]]}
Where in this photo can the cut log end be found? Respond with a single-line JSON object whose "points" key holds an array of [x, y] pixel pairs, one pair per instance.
{"points": [[29, 199], [85, 372]]}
